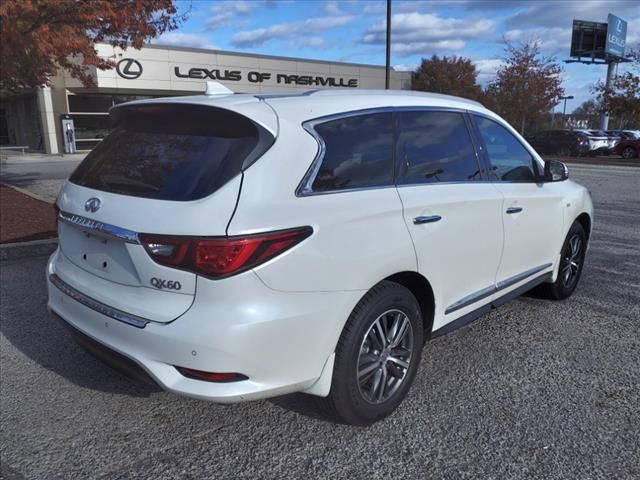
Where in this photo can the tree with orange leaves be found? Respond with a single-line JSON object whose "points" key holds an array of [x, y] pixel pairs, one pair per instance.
{"points": [[39, 37]]}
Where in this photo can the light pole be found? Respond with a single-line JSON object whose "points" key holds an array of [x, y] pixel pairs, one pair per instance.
{"points": [[387, 72], [564, 108]]}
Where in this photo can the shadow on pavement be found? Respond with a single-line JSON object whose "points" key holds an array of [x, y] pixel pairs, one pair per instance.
{"points": [[28, 326], [307, 405]]}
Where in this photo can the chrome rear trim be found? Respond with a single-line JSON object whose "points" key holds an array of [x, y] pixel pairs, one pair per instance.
{"points": [[96, 305], [99, 228]]}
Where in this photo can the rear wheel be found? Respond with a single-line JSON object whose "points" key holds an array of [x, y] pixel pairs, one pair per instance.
{"points": [[377, 355], [629, 152], [571, 263]]}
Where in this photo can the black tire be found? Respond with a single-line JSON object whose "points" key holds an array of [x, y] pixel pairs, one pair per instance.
{"points": [[564, 286], [629, 152], [565, 152], [347, 401]]}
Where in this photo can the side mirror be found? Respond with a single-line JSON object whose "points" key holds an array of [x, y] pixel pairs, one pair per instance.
{"points": [[555, 171]]}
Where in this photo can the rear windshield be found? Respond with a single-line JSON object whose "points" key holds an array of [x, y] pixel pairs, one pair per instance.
{"points": [[172, 151]]}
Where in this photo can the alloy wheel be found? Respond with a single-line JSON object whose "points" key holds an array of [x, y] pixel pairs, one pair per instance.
{"points": [[385, 355], [572, 258]]}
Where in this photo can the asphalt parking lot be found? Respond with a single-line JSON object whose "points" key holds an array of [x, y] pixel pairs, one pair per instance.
{"points": [[535, 389]]}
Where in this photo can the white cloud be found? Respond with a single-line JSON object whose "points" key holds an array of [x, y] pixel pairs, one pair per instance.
{"points": [[404, 67], [240, 6], [375, 7], [219, 20], [633, 33], [553, 41], [332, 8], [426, 33], [179, 39], [560, 14], [253, 38], [314, 42], [487, 69], [427, 27], [425, 48], [226, 12]]}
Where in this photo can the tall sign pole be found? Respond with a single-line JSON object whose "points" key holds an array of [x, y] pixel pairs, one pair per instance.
{"points": [[614, 47], [604, 116], [600, 44], [388, 64]]}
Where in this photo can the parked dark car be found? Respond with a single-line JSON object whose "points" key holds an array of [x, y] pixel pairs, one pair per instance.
{"points": [[560, 142], [628, 148]]}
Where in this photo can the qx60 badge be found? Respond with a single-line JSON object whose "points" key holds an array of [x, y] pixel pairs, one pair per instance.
{"points": [[162, 284]]}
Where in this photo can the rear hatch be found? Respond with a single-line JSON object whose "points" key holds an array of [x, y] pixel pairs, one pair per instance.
{"points": [[168, 169]]}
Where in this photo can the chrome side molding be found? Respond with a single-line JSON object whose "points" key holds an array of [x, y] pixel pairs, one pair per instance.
{"points": [[99, 228], [485, 292], [96, 305]]}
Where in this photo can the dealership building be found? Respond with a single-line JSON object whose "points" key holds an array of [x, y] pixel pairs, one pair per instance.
{"points": [[42, 119]]}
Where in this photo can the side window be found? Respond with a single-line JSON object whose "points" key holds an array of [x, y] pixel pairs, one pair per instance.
{"points": [[358, 153], [434, 146], [510, 161]]}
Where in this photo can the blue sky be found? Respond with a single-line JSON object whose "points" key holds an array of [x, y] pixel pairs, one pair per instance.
{"points": [[354, 30]]}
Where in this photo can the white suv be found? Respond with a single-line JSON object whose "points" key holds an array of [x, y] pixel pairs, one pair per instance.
{"points": [[236, 247]]}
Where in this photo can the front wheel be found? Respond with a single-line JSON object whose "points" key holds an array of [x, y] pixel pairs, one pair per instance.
{"points": [[629, 152], [377, 355], [571, 263]]}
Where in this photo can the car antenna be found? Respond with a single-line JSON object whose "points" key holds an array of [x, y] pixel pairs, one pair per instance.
{"points": [[216, 88]]}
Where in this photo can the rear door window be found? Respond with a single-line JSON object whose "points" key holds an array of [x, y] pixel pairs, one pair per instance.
{"points": [[172, 151], [433, 147], [358, 153]]}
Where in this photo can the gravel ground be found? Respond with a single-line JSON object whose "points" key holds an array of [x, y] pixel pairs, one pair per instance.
{"points": [[535, 389]]}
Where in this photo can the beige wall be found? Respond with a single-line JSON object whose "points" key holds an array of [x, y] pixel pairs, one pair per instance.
{"points": [[159, 63], [158, 77]]}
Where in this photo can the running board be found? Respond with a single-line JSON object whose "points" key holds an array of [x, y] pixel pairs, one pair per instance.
{"points": [[474, 315]]}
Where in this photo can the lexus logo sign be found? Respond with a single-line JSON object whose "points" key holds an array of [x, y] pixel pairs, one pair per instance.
{"points": [[129, 68]]}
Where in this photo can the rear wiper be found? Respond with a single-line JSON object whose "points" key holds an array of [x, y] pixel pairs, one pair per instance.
{"points": [[119, 180]]}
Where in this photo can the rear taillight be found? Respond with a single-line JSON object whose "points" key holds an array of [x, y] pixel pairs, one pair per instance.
{"points": [[220, 257]]}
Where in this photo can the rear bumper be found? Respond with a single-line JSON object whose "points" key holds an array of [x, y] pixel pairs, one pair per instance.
{"points": [[279, 340], [112, 358]]}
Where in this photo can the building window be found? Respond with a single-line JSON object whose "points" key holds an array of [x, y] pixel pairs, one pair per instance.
{"points": [[90, 115]]}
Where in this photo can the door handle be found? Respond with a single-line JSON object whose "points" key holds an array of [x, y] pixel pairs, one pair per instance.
{"points": [[428, 219], [514, 210]]}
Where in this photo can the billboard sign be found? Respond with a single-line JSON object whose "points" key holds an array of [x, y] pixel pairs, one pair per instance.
{"points": [[616, 36], [588, 39]]}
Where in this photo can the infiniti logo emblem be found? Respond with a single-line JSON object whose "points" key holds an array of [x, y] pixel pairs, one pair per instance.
{"points": [[92, 205]]}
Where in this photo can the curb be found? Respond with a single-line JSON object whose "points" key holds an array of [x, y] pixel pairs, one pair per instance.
{"points": [[27, 193], [13, 251]]}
